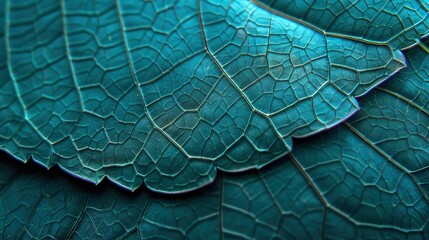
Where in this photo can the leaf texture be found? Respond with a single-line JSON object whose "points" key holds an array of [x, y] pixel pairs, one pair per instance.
{"points": [[169, 96], [101, 89], [343, 183], [398, 23]]}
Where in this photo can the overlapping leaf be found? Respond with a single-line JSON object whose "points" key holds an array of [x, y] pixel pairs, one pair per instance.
{"points": [[398, 23], [166, 93], [366, 178], [353, 181]]}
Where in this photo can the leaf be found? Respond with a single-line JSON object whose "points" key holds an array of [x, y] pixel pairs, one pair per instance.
{"points": [[169, 96], [366, 178], [343, 183], [398, 23]]}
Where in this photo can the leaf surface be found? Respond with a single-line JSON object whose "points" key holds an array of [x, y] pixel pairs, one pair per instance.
{"points": [[169, 96], [398, 23], [346, 182], [365, 178]]}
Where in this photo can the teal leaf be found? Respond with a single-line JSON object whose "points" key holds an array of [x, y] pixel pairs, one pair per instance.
{"points": [[367, 177], [167, 97], [346, 182], [398, 23]]}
